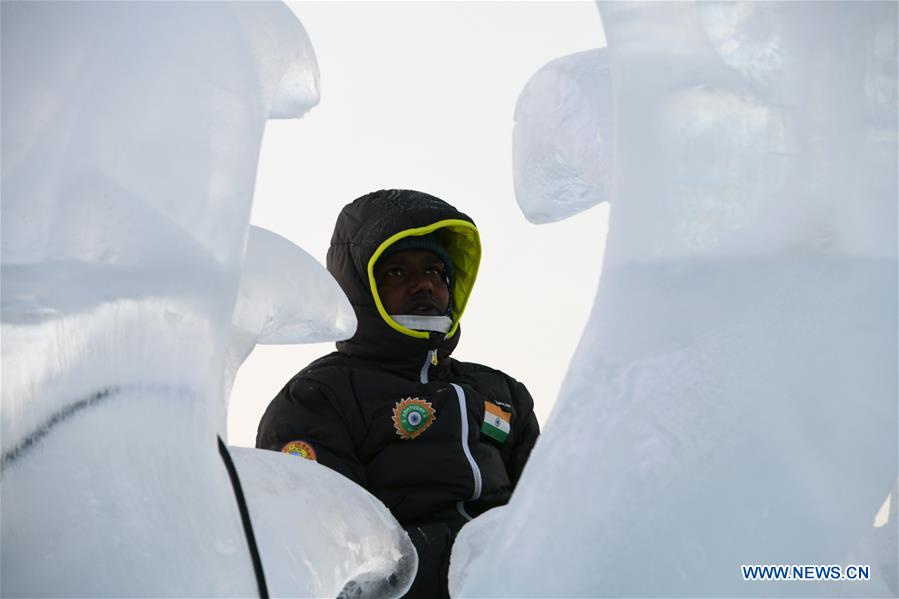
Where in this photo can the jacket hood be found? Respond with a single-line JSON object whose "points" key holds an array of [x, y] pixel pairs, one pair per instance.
{"points": [[365, 229]]}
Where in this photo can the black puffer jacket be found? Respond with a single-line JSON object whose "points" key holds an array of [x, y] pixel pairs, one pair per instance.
{"points": [[391, 409]]}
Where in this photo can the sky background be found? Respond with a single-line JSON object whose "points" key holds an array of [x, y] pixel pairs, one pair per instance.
{"points": [[421, 95]]}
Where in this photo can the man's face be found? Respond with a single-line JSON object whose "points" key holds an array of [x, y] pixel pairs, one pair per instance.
{"points": [[412, 282]]}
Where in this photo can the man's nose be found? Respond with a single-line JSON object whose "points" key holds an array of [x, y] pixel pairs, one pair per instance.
{"points": [[420, 282]]}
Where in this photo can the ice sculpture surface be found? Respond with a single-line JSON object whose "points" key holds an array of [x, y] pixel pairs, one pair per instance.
{"points": [[469, 546], [733, 399], [286, 495], [285, 296], [563, 137], [131, 133]]}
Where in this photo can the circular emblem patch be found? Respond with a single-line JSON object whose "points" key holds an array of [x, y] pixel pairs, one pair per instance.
{"points": [[411, 416], [299, 448]]}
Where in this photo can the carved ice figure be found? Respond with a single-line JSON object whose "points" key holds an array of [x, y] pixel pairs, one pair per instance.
{"points": [[733, 399], [563, 138], [130, 141], [285, 297]]}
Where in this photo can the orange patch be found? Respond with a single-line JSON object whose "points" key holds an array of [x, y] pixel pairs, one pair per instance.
{"points": [[412, 416], [299, 448]]}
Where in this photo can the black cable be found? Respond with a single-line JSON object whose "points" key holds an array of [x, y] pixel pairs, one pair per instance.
{"points": [[245, 518]]}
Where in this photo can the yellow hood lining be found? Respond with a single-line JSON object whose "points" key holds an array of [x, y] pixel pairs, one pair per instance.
{"points": [[462, 242]]}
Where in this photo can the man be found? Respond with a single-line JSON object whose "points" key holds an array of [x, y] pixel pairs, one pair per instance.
{"points": [[437, 440]]}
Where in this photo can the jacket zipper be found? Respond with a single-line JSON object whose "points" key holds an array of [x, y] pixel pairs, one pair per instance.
{"points": [[463, 415], [431, 359], [475, 471]]}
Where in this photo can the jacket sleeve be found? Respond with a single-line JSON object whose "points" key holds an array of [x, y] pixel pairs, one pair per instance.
{"points": [[306, 411], [527, 430]]}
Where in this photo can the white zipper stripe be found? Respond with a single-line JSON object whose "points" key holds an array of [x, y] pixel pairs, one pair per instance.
{"points": [[460, 506], [424, 367], [463, 413]]}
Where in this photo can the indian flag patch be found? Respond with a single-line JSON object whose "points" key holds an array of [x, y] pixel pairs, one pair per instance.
{"points": [[496, 422]]}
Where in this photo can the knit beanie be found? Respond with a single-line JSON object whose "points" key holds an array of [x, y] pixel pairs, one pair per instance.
{"points": [[430, 243]]}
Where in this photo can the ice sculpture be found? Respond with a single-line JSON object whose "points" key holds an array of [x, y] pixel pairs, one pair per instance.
{"points": [[130, 140], [285, 296], [469, 547], [733, 398], [349, 542], [562, 147]]}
